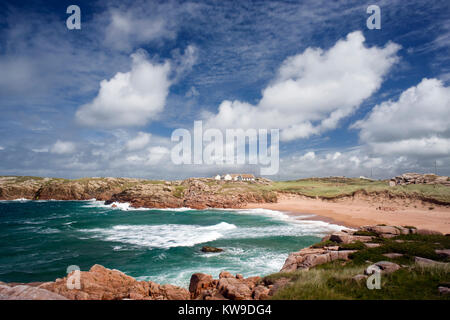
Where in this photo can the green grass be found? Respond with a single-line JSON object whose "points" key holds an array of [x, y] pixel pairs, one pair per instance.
{"points": [[358, 245], [414, 245], [178, 192], [365, 233], [329, 188], [334, 280], [326, 243], [335, 187]]}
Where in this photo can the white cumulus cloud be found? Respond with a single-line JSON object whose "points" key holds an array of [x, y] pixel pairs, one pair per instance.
{"points": [[313, 90], [129, 99], [140, 141], [416, 124]]}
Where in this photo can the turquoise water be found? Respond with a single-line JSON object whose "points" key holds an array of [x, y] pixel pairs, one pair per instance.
{"points": [[40, 239]]}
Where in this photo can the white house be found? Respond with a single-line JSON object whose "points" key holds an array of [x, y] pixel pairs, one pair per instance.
{"points": [[235, 177], [247, 177]]}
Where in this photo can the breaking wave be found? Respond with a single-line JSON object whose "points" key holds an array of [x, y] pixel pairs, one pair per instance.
{"points": [[161, 236]]}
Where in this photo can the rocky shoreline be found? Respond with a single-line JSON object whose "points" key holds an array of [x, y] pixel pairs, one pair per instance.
{"points": [[196, 193], [100, 283]]}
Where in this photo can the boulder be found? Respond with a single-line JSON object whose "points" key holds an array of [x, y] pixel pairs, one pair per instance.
{"points": [[340, 237], [211, 249], [372, 245], [383, 230], [343, 237], [261, 293], [199, 283], [225, 274], [234, 289], [444, 252], [443, 290], [228, 287], [171, 292], [427, 262], [311, 257], [385, 267], [428, 232], [24, 292]]}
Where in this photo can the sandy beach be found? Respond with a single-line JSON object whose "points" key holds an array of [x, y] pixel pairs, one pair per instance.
{"points": [[359, 211]]}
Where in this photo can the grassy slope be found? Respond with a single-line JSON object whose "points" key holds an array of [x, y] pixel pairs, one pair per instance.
{"points": [[335, 187], [334, 280]]}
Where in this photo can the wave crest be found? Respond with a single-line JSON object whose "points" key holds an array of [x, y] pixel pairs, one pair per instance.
{"points": [[161, 236]]}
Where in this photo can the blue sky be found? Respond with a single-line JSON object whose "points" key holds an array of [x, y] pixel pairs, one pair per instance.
{"points": [[348, 100]]}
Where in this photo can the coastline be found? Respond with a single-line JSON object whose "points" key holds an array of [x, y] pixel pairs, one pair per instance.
{"points": [[357, 212]]}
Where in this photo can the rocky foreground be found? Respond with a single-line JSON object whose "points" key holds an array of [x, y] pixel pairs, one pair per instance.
{"points": [[100, 283], [196, 193]]}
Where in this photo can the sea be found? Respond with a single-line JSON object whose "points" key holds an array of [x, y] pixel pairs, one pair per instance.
{"points": [[39, 240]]}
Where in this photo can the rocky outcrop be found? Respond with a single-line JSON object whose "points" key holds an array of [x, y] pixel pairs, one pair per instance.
{"points": [[36, 188], [197, 193], [335, 246], [388, 231], [345, 237], [211, 249], [310, 257], [152, 195], [100, 283], [227, 287], [417, 178]]}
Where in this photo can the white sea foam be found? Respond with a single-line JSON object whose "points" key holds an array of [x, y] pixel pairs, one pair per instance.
{"points": [[301, 228], [161, 236], [304, 226], [181, 209], [15, 200], [274, 214], [248, 262], [126, 206], [48, 200], [179, 235]]}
